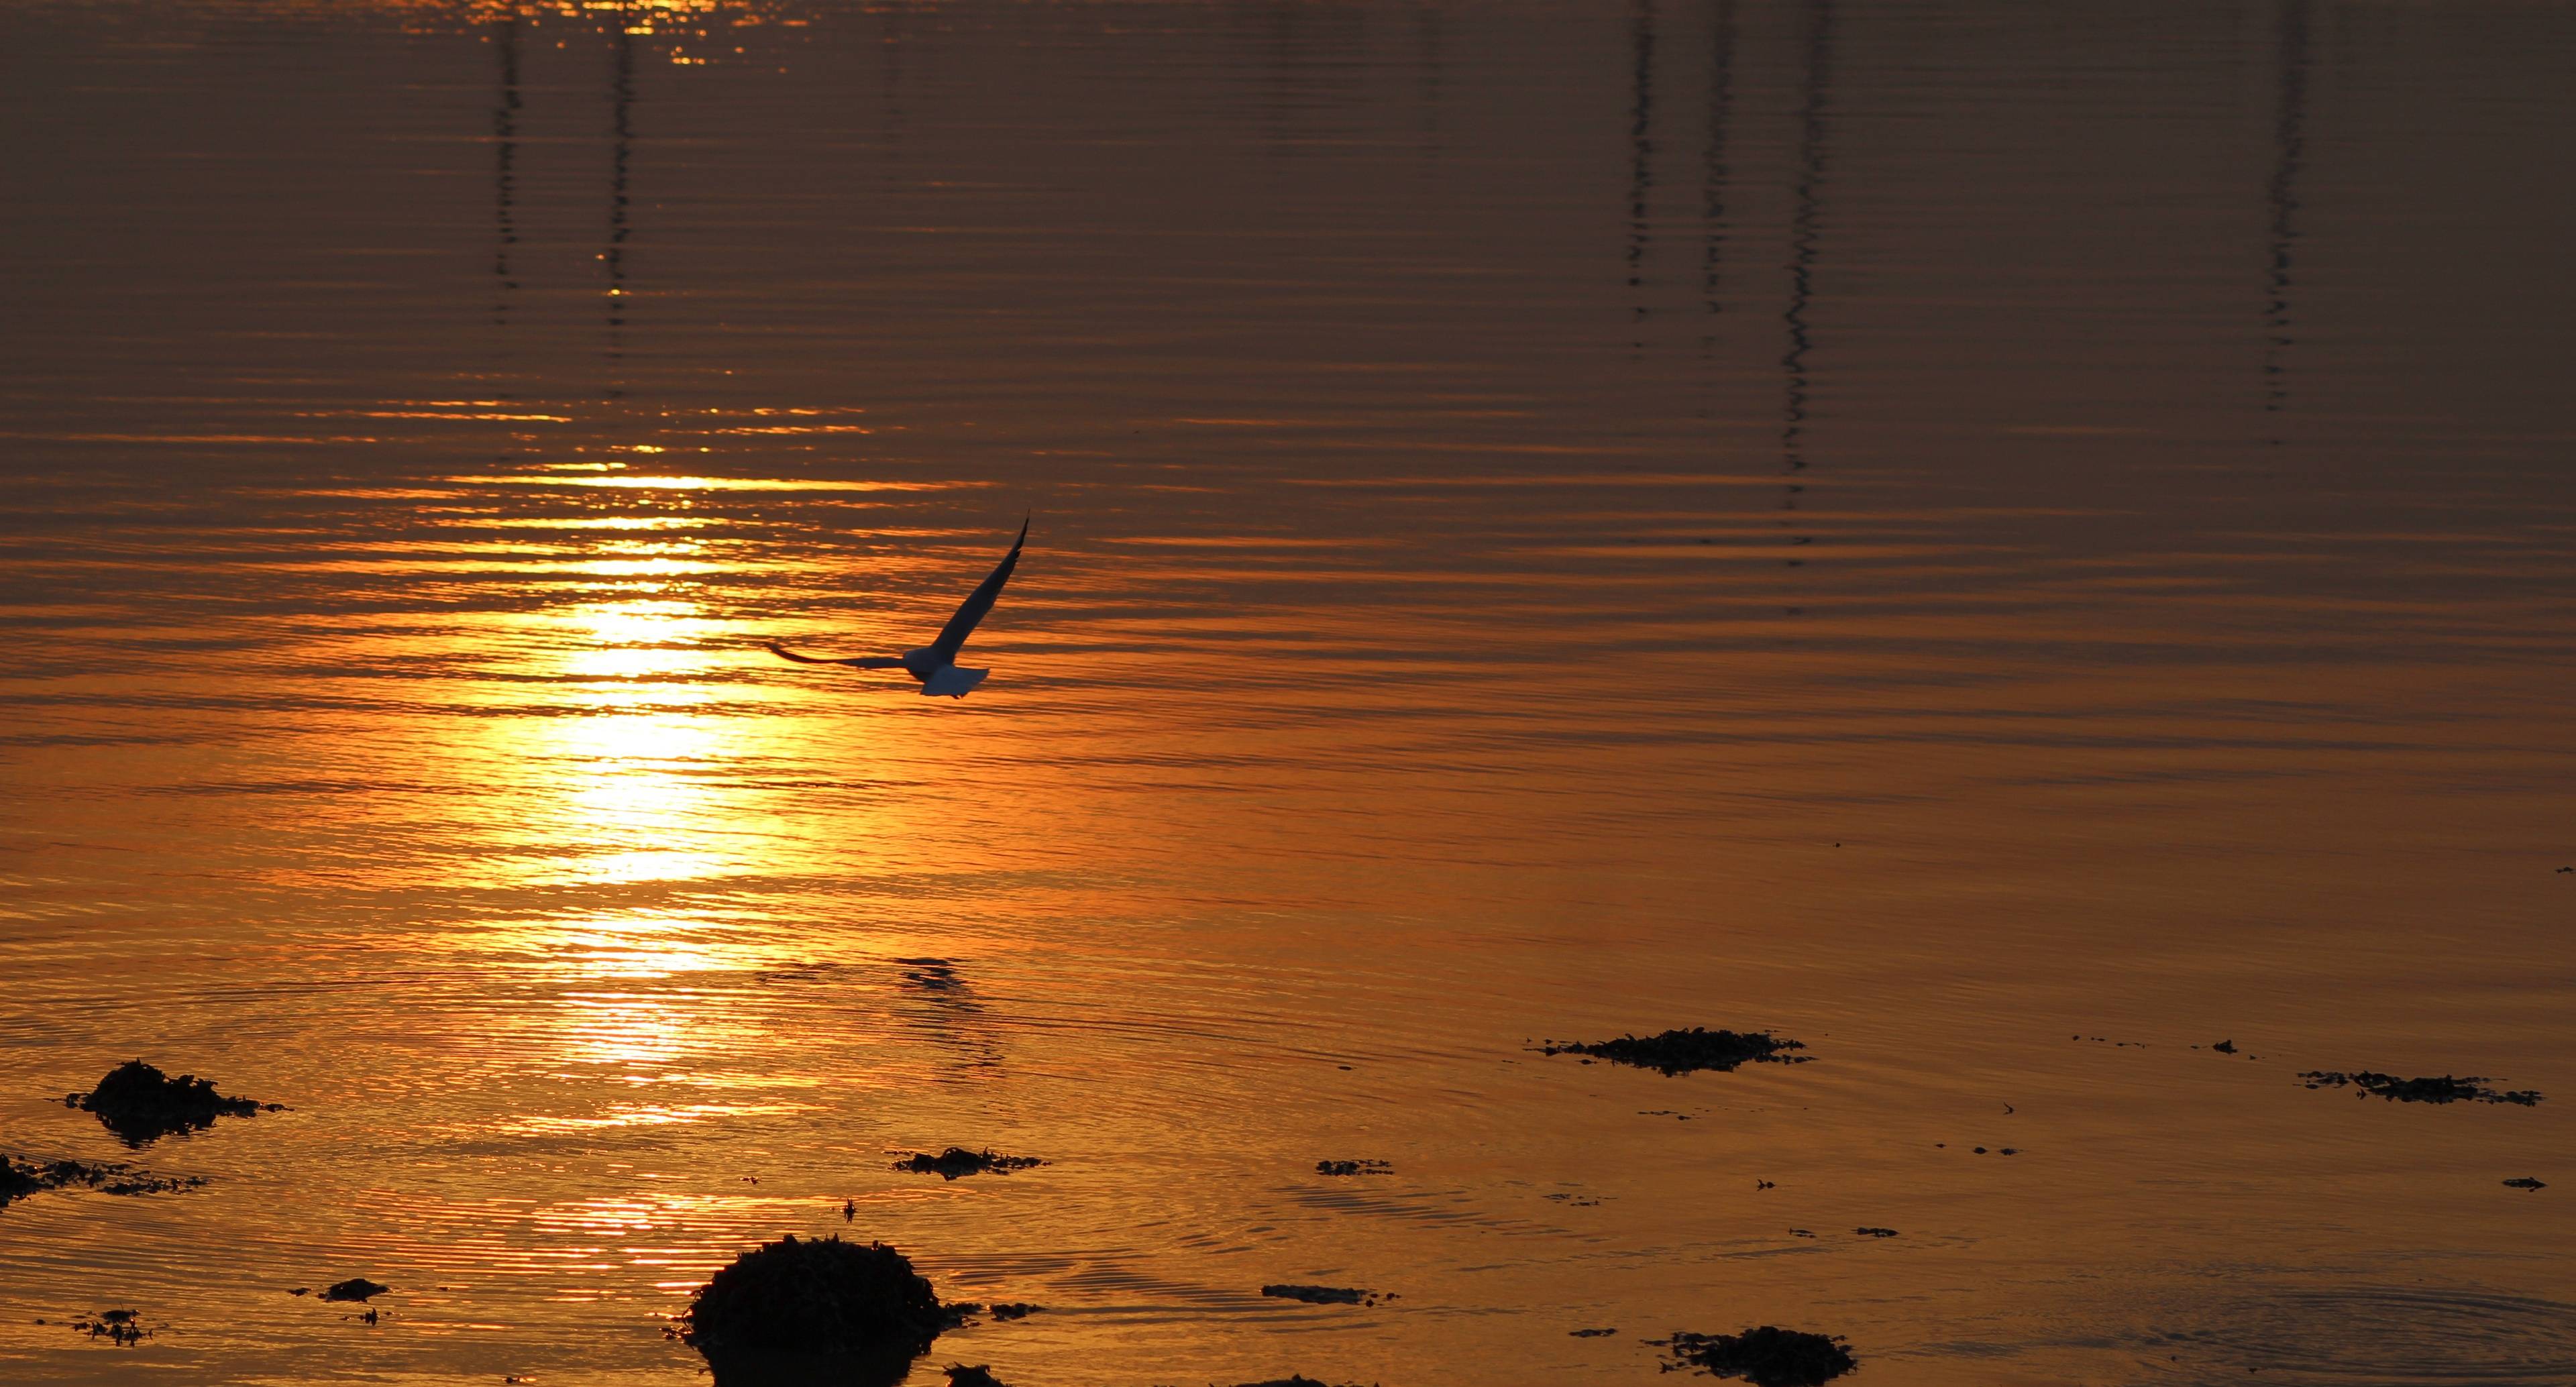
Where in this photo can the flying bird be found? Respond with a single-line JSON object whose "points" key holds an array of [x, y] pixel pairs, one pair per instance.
{"points": [[935, 664]]}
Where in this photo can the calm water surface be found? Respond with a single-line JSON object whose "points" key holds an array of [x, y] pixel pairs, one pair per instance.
{"points": [[1947, 530]]}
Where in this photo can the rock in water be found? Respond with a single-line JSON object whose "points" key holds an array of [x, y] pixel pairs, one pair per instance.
{"points": [[1684, 1052], [1766, 1357], [140, 1103], [958, 1160], [815, 1311]]}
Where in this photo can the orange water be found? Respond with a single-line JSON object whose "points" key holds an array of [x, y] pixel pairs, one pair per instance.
{"points": [[1946, 533]]}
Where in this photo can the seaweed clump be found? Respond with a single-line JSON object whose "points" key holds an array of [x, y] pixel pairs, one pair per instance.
{"points": [[794, 1310], [123, 1328], [1768, 1356], [2443, 1089], [19, 1179], [957, 1160], [1684, 1052], [141, 1104], [1325, 1295]]}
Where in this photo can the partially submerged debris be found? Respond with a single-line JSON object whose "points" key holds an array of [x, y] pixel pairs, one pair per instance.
{"points": [[357, 1288], [2225, 1047], [1767, 1356], [1875, 1232], [957, 1160], [123, 1328], [816, 1306], [1591, 1333], [1325, 1295], [18, 1179], [1684, 1052], [1353, 1168], [140, 1103], [2525, 1183], [2444, 1089], [1013, 1310]]}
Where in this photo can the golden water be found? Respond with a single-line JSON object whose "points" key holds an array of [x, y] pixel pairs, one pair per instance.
{"points": [[1943, 532]]}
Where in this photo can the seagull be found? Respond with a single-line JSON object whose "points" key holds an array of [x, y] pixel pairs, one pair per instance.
{"points": [[935, 664]]}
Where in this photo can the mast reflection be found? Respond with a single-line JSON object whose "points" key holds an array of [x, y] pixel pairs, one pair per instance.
{"points": [[2289, 139]]}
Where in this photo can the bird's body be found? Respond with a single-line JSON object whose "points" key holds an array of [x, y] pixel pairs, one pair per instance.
{"points": [[935, 664]]}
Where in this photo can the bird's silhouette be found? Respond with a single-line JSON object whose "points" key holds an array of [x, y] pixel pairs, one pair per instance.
{"points": [[935, 664]]}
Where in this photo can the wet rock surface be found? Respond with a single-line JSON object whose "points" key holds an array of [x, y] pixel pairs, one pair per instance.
{"points": [[1324, 1295], [958, 1160], [18, 1179], [1768, 1356], [814, 1310], [1685, 1052], [2445, 1088], [1353, 1168], [141, 1104]]}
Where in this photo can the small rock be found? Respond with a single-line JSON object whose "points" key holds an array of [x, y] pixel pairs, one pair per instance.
{"points": [[1767, 1356], [2525, 1183], [1324, 1295], [356, 1288], [1685, 1052], [957, 1161], [140, 1103]]}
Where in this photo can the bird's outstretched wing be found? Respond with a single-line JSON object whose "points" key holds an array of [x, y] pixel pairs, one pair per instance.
{"points": [[861, 661], [952, 637]]}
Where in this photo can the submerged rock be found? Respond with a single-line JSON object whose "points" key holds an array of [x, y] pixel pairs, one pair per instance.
{"points": [[1684, 1052], [1768, 1356], [957, 1160], [815, 1311], [140, 1103], [18, 1179], [1324, 1295], [2443, 1089]]}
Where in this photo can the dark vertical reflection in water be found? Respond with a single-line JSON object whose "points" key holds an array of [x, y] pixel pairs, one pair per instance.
{"points": [[505, 140], [622, 104], [1721, 94], [1430, 40], [2289, 139], [1805, 231], [1641, 147]]}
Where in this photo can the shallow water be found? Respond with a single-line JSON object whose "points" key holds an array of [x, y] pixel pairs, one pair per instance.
{"points": [[2009, 542]]}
